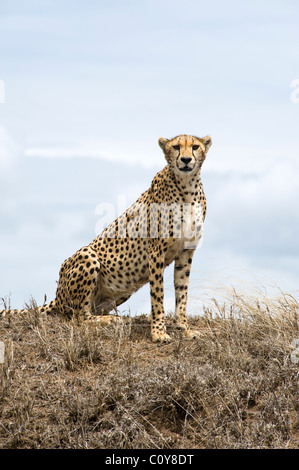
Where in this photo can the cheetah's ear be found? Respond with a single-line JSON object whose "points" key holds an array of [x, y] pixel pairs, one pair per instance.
{"points": [[207, 141], [162, 142]]}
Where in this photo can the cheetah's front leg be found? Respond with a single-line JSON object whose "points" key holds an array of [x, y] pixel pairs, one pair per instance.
{"points": [[156, 275], [181, 281]]}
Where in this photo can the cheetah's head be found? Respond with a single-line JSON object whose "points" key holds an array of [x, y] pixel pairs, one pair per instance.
{"points": [[185, 153]]}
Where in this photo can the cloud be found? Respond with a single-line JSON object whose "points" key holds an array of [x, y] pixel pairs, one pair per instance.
{"points": [[9, 154], [10, 158], [255, 214], [129, 152]]}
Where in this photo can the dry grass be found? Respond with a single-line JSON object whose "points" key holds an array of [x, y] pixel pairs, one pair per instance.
{"points": [[66, 384]]}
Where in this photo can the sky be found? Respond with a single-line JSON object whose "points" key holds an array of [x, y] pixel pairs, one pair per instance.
{"points": [[86, 90]]}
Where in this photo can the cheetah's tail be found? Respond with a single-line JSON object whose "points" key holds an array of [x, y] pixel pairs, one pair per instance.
{"points": [[48, 308]]}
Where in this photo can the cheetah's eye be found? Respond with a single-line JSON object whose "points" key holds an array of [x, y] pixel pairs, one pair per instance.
{"points": [[176, 147], [195, 147]]}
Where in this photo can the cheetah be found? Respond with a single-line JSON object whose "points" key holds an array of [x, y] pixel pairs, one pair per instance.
{"points": [[164, 225]]}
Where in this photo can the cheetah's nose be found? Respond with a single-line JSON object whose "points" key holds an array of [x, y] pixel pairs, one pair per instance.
{"points": [[186, 160]]}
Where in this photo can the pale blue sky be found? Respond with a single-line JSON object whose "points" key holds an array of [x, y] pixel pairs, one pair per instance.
{"points": [[107, 79], [79, 72]]}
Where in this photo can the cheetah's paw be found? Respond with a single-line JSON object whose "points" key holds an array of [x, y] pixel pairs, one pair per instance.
{"points": [[160, 337], [106, 320], [191, 334]]}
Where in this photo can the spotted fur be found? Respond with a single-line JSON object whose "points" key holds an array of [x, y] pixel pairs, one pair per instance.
{"points": [[137, 247]]}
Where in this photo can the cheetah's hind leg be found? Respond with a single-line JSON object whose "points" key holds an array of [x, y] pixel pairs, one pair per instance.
{"points": [[77, 291], [77, 285]]}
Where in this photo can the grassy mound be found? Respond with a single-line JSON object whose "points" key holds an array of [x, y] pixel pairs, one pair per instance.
{"points": [[70, 384]]}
